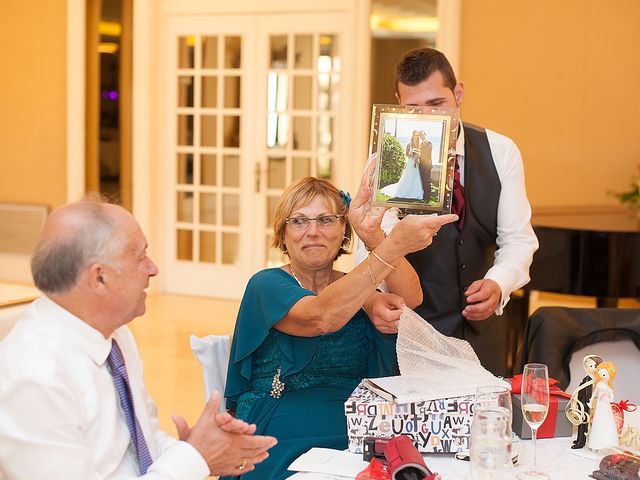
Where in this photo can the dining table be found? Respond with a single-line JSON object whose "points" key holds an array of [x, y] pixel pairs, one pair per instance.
{"points": [[554, 457]]}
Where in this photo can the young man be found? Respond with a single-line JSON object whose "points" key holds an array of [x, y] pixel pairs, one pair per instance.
{"points": [[472, 267], [73, 404]]}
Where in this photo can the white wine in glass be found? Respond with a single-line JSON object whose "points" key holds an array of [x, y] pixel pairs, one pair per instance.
{"points": [[535, 404], [534, 414]]}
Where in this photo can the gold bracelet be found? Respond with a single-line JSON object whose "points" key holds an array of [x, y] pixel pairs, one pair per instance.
{"points": [[374, 282], [369, 249], [393, 267]]}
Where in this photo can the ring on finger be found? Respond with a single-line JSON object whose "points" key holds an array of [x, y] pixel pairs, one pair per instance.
{"points": [[243, 464]]}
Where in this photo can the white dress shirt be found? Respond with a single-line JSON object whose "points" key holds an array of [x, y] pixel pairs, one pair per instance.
{"points": [[60, 415], [516, 242]]}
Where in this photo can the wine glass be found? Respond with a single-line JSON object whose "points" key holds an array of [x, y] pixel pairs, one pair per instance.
{"points": [[535, 404]]}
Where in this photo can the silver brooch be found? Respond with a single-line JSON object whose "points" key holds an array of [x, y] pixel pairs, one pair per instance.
{"points": [[277, 385]]}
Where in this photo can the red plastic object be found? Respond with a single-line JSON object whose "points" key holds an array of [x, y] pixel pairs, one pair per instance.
{"points": [[374, 471], [404, 460]]}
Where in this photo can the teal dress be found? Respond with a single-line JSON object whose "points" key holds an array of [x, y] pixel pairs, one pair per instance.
{"points": [[318, 373]]}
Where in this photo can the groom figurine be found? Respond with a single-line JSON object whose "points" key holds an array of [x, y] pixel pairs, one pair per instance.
{"points": [[585, 390]]}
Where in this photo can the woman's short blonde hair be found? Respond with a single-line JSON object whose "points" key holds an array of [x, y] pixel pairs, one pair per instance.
{"points": [[301, 193], [609, 367]]}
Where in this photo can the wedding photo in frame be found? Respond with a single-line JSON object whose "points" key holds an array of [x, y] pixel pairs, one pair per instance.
{"points": [[415, 148]]}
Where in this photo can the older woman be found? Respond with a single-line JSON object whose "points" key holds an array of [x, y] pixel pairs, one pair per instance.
{"points": [[302, 341]]}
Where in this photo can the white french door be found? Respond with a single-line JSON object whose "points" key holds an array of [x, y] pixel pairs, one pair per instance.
{"points": [[253, 102], [300, 134]]}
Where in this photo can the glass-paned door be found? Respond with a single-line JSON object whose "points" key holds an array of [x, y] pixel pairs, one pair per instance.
{"points": [[208, 106], [253, 103], [209, 78], [303, 99]]}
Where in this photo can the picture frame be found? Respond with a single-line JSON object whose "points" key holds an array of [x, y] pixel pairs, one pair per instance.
{"points": [[415, 148]]}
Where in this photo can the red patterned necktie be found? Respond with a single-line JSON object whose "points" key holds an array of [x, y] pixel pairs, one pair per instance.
{"points": [[457, 206]]}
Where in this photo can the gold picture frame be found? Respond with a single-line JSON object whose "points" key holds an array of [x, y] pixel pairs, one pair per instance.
{"points": [[415, 148]]}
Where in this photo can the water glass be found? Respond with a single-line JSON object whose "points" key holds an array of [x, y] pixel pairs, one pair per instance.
{"points": [[494, 397], [490, 448]]}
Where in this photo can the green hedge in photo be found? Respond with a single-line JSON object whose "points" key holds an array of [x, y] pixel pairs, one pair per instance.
{"points": [[393, 160]]}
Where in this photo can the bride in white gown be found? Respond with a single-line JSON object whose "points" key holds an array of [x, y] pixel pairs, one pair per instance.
{"points": [[603, 432], [410, 183]]}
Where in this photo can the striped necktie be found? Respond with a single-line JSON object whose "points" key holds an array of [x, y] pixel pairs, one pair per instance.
{"points": [[121, 381], [457, 206]]}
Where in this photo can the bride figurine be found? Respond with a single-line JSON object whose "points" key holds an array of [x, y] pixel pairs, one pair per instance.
{"points": [[580, 400], [603, 432]]}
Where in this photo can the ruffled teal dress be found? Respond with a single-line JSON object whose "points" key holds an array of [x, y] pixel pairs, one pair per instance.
{"points": [[318, 373]]}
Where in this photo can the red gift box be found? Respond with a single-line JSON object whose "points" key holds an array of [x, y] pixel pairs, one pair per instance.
{"points": [[618, 412], [556, 423]]}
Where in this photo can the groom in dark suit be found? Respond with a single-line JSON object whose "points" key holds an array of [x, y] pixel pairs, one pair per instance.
{"points": [[472, 266], [419, 150]]}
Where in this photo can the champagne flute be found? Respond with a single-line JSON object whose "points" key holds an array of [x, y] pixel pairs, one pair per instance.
{"points": [[535, 404]]}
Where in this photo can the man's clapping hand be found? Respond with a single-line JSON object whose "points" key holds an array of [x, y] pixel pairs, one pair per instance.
{"points": [[226, 443]]}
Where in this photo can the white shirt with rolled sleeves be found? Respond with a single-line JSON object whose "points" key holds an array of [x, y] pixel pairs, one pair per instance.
{"points": [[516, 242], [60, 416]]}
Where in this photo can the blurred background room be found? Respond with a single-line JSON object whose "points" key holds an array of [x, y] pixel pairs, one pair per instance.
{"points": [[196, 114]]}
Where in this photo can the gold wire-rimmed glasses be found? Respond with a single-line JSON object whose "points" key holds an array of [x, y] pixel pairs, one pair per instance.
{"points": [[301, 222]]}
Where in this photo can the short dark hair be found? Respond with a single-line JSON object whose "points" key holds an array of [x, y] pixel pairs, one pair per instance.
{"points": [[418, 64], [58, 262]]}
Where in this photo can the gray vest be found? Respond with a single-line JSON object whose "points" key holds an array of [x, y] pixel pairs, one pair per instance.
{"points": [[457, 258]]}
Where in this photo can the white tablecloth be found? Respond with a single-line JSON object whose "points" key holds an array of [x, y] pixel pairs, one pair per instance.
{"points": [[554, 457]]}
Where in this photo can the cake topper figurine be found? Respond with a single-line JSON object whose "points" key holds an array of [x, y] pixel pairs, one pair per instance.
{"points": [[578, 411], [603, 432]]}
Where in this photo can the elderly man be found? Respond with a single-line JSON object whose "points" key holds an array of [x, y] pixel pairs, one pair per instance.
{"points": [[73, 404]]}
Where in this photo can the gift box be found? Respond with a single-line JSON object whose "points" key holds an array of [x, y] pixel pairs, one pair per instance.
{"points": [[555, 425], [619, 409], [627, 417], [436, 426], [632, 418]]}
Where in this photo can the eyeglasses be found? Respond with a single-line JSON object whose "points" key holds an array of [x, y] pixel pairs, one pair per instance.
{"points": [[302, 222]]}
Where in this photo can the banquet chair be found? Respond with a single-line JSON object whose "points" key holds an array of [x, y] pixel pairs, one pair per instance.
{"points": [[558, 336], [212, 352]]}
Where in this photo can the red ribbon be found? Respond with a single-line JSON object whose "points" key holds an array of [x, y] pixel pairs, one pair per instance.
{"points": [[625, 405], [548, 427], [516, 387]]}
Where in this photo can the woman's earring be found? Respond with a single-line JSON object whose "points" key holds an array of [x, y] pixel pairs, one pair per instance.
{"points": [[346, 243], [283, 249]]}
